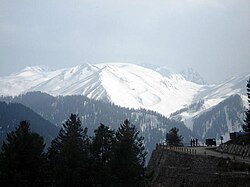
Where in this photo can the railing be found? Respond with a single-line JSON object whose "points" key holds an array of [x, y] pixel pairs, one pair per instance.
{"points": [[177, 149], [200, 150]]}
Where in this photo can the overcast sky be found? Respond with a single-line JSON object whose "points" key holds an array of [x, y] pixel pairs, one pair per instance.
{"points": [[212, 36]]}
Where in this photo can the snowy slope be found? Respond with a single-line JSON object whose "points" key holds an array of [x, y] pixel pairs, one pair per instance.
{"points": [[79, 80], [126, 85], [214, 108], [135, 86]]}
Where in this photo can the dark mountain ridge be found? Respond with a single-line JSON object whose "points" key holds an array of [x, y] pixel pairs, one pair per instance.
{"points": [[12, 113], [153, 126]]}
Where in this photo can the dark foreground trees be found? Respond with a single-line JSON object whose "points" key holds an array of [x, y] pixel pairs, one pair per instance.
{"points": [[22, 160], [74, 159], [68, 155], [173, 138], [128, 156], [246, 126], [101, 153]]}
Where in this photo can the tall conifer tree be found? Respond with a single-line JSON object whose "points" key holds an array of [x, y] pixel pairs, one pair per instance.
{"points": [[22, 158], [128, 157], [101, 150], [173, 138], [68, 154]]}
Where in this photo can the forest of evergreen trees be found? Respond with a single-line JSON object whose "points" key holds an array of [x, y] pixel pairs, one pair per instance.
{"points": [[108, 158]]}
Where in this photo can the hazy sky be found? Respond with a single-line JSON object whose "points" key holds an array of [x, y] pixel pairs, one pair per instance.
{"points": [[212, 36]]}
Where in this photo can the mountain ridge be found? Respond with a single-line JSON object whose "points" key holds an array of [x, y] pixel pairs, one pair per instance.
{"points": [[128, 85]]}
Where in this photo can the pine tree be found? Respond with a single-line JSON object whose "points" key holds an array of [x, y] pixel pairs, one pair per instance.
{"points": [[128, 156], [101, 150], [68, 154], [173, 138], [246, 126], [22, 158]]}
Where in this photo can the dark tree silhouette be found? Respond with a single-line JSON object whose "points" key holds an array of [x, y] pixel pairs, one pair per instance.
{"points": [[68, 155], [22, 158], [101, 151], [246, 126], [173, 138], [128, 157]]}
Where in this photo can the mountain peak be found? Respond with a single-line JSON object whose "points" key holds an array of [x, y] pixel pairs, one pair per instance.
{"points": [[192, 75]]}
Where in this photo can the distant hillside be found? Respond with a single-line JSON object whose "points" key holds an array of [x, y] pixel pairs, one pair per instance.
{"points": [[12, 113], [225, 117], [152, 125]]}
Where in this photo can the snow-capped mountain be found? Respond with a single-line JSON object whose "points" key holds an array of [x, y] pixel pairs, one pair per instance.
{"points": [[141, 86], [216, 109], [126, 85], [192, 75]]}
